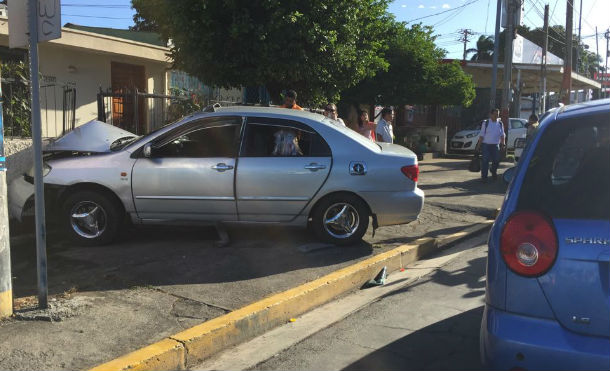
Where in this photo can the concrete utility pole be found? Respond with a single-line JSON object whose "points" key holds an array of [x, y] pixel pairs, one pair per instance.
{"points": [[579, 41], [606, 75], [494, 70], [465, 33], [545, 48], [566, 85], [6, 288], [508, 62]]}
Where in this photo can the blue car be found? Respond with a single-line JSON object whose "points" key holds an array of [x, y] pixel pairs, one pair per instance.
{"points": [[547, 303]]}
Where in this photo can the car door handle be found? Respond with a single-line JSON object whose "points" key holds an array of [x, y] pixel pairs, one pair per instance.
{"points": [[222, 167], [315, 167]]}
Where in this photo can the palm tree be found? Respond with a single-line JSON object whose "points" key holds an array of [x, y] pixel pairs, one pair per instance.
{"points": [[484, 49]]}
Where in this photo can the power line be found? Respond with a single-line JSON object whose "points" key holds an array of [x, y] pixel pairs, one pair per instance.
{"points": [[92, 16], [96, 6], [439, 13]]}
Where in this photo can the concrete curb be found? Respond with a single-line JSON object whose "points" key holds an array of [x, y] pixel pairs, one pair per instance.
{"points": [[189, 347]]}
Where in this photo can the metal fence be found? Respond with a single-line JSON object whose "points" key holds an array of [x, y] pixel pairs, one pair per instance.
{"points": [[57, 108], [140, 112]]}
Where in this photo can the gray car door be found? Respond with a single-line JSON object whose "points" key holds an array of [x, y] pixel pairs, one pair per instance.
{"points": [[190, 173], [282, 165]]}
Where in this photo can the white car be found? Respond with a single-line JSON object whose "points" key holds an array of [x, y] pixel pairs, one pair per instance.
{"points": [[466, 140]]}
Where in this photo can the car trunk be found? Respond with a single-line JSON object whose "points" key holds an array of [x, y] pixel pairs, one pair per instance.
{"points": [[568, 180], [577, 286], [400, 151]]}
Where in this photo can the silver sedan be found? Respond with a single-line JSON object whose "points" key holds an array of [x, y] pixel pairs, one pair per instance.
{"points": [[232, 165]]}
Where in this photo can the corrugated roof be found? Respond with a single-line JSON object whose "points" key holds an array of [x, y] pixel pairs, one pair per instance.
{"points": [[151, 38]]}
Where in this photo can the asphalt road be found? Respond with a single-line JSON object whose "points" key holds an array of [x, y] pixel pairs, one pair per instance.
{"points": [[432, 324]]}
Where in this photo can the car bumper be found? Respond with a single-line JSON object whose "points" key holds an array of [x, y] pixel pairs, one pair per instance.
{"points": [[19, 193], [464, 145], [510, 341], [393, 208]]}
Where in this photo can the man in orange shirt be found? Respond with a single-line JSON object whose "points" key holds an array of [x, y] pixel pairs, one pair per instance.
{"points": [[290, 100]]}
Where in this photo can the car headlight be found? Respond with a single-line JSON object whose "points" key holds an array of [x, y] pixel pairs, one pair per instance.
{"points": [[471, 135], [46, 169]]}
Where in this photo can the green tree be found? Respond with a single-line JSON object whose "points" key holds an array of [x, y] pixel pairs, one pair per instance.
{"points": [[317, 48], [416, 74], [484, 50]]}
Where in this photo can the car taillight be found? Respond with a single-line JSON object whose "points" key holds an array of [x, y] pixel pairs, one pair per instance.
{"points": [[411, 172], [528, 243]]}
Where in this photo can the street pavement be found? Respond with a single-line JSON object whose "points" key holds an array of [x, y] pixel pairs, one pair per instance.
{"points": [[432, 324], [154, 282]]}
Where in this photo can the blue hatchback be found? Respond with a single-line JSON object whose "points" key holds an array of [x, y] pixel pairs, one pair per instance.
{"points": [[548, 298]]}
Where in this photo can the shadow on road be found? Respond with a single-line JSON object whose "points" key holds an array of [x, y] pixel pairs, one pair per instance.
{"points": [[451, 344], [155, 256]]}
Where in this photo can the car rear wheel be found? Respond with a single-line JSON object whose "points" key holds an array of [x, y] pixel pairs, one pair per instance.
{"points": [[340, 219], [91, 218]]}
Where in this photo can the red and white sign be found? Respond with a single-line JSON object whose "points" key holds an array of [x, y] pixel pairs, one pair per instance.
{"points": [[603, 78]]}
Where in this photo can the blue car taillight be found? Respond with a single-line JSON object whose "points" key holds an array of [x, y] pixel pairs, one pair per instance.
{"points": [[528, 243]]}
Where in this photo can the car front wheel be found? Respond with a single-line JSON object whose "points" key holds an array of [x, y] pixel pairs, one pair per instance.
{"points": [[91, 218], [340, 219]]}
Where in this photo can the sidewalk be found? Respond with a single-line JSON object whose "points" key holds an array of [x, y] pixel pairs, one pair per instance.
{"points": [[156, 282]]}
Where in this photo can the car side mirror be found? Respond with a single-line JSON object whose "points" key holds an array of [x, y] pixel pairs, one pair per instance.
{"points": [[147, 151]]}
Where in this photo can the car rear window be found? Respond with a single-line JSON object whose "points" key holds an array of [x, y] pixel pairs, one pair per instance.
{"points": [[569, 173]]}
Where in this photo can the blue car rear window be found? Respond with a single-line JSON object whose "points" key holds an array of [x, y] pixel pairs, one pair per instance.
{"points": [[569, 173]]}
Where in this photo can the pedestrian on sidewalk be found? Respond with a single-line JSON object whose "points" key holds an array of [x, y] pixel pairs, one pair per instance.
{"points": [[384, 132], [491, 141], [365, 127], [330, 111], [290, 100]]}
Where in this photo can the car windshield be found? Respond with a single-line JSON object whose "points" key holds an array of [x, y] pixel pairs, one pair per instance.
{"points": [[123, 142]]}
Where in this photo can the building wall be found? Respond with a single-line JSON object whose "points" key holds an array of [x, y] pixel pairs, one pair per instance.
{"points": [[87, 72]]}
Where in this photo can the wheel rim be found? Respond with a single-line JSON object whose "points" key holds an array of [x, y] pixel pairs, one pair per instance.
{"points": [[88, 219], [341, 220]]}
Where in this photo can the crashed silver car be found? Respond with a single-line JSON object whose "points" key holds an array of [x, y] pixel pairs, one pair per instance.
{"points": [[232, 165]]}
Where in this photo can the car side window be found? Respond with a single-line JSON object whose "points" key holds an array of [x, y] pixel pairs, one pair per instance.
{"points": [[516, 124], [569, 174], [282, 138], [210, 139]]}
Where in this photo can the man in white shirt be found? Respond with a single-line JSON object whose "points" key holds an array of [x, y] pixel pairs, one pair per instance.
{"points": [[384, 132], [491, 140]]}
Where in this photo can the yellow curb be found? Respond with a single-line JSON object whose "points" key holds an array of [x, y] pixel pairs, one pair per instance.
{"points": [[6, 303], [167, 354], [190, 346]]}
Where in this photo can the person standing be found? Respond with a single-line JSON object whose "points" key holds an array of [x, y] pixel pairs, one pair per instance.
{"points": [[532, 127], [290, 101], [330, 111], [384, 132], [365, 127], [491, 140]]}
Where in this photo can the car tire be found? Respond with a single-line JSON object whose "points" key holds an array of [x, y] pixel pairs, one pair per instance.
{"points": [[351, 219], [91, 218]]}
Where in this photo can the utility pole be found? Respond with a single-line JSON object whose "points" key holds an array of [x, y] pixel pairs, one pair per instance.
{"points": [[508, 62], [579, 41], [545, 48], [465, 33], [6, 289], [566, 85], [606, 76], [494, 70]]}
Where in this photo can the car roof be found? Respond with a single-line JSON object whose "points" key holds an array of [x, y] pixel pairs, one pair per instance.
{"points": [[591, 106], [270, 111]]}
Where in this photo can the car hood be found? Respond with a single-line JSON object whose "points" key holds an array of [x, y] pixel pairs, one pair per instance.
{"points": [[463, 133], [94, 136]]}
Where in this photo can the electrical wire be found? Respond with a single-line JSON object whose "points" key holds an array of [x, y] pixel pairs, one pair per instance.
{"points": [[91, 16], [439, 13]]}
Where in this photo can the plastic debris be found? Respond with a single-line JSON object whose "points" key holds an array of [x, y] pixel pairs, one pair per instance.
{"points": [[293, 320], [379, 280], [402, 269]]}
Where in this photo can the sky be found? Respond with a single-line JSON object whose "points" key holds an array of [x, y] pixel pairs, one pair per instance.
{"points": [[446, 16]]}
